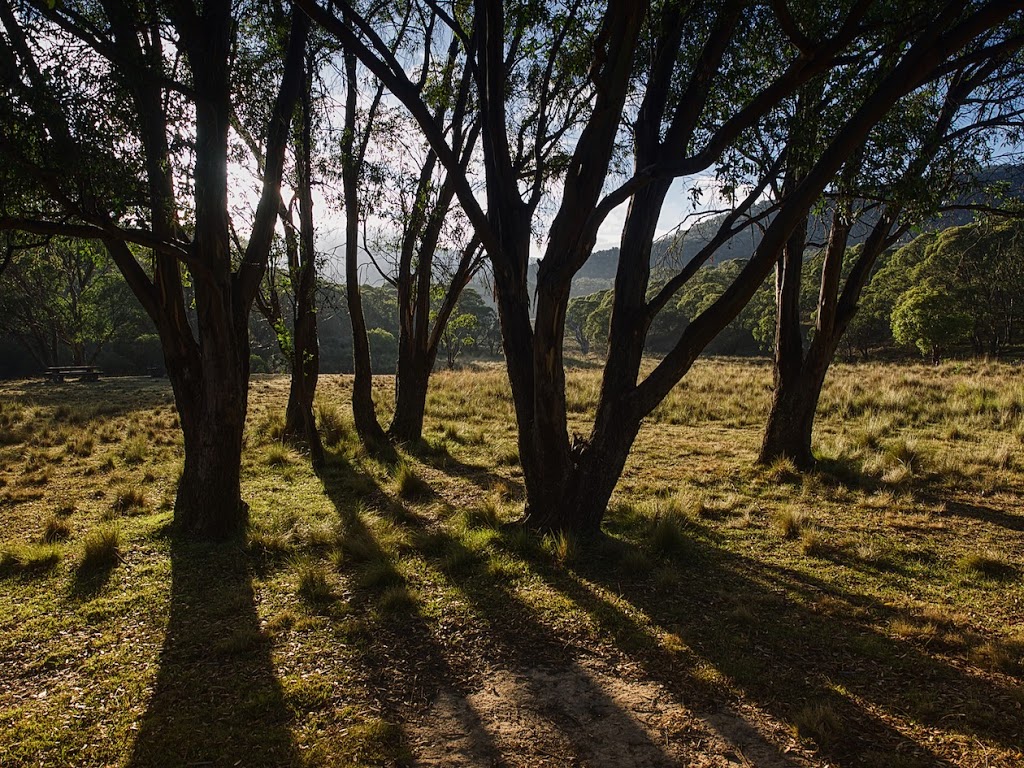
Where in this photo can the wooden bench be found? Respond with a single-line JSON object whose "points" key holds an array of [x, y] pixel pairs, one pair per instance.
{"points": [[80, 372]]}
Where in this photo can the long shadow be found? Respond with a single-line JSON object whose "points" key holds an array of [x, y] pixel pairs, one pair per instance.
{"points": [[981, 513], [541, 660], [404, 664], [789, 658], [413, 662], [478, 474], [216, 700]]}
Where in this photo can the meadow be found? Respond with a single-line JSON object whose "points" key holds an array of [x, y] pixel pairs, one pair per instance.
{"points": [[869, 613]]}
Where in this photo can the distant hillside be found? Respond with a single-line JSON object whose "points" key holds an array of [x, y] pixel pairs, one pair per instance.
{"points": [[674, 251]]}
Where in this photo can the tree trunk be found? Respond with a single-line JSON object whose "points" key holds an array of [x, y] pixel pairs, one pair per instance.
{"points": [[299, 421], [788, 434], [578, 502], [364, 412], [411, 383], [212, 410], [790, 422]]}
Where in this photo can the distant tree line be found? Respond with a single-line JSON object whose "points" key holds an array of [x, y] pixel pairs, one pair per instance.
{"points": [[952, 292], [63, 302]]}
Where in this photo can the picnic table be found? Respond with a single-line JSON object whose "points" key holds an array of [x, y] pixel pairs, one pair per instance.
{"points": [[81, 372]]}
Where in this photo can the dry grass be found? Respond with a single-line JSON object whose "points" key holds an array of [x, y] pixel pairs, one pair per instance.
{"points": [[867, 610]]}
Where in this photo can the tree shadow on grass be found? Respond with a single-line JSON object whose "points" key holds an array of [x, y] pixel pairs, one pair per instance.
{"points": [[216, 699], [81, 402], [981, 513], [399, 654], [801, 648], [424, 668]]}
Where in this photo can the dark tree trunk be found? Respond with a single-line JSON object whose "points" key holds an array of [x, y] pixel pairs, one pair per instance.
{"points": [[791, 420], [208, 504], [364, 412], [411, 384], [300, 425], [788, 434]]}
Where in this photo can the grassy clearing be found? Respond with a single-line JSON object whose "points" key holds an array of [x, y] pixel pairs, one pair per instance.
{"points": [[870, 609]]}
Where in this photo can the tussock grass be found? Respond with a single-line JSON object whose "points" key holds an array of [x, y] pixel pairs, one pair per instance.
{"points": [[101, 551], [28, 559], [409, 484], [670, 528], [396, 599], [488, 514], [55, 529], [129, 500], [791, 523], [334, 425], [135, 450], [987, 565], [314, 585], [278, 455], [507, 456], [81, 445], [819, 722], [562, 545], [343, 580]]}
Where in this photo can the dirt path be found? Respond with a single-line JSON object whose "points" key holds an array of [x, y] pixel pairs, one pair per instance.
{"points": [[586, 715]]}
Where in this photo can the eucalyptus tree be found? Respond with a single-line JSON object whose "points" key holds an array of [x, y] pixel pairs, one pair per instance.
{"points": [[923, 156], [288, 293], [429, 259], [682, 83], [117, 116], [966, 287]]}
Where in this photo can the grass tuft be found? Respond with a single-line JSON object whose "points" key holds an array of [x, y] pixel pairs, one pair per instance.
{"points": [[668, 534], [818, 722], [986, 565], [410, 486], [134, 450], [129, 500], [56, 529], [28, 559], [277, 455], [485, 515], [791, 522], [314, 586], [562, 545], [80, 445], [396, 599], [334, 426], [101, 551]]}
